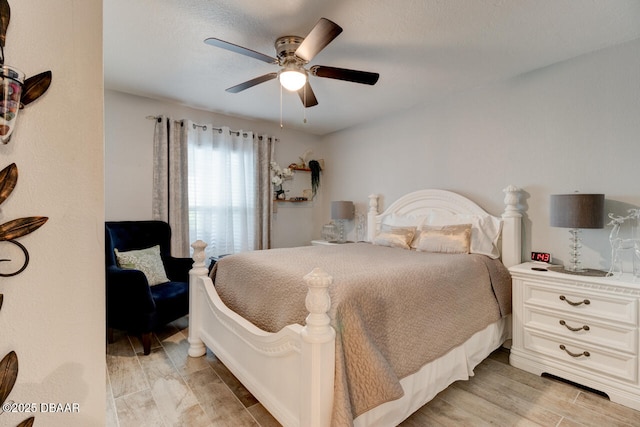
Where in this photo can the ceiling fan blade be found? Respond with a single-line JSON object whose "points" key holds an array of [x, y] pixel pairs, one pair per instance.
{"points": [[307, 96], [252, 82], [320, 36], [241, 50], [355, 76]]}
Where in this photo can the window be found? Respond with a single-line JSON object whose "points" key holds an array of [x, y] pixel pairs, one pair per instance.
{"points": [[222, 190]]}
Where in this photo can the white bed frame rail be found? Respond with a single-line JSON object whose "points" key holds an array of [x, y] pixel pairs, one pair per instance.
{"points": [[291, 372]]}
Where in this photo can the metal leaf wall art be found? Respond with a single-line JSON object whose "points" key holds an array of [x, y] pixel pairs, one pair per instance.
{"points": [[5, 16], [16, 92], [8, 376], [11, 230], [8, 232]]}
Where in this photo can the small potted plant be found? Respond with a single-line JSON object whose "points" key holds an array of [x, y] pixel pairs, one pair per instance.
{"points": [[279, 175]]}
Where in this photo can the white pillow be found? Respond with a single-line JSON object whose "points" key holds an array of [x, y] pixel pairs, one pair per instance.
{"points": [[452, 239], [485, 233], [146, 260]]}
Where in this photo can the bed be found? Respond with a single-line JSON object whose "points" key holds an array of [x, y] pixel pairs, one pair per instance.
{"points": [[316, 355]]}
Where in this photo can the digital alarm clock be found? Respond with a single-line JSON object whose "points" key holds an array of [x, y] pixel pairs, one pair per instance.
{"points": [[541, 257]]}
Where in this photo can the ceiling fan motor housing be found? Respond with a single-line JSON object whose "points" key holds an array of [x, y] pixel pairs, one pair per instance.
{"points": [[286, 47]]}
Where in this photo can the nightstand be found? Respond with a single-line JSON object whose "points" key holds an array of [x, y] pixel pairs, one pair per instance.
{"points": [[580, 328]]}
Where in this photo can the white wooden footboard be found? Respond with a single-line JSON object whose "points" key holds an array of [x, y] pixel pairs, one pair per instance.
{"points": [[290, 372]]}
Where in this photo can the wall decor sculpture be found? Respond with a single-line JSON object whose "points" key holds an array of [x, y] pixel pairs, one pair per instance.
{"points": [[15, 94], [11, 230]]}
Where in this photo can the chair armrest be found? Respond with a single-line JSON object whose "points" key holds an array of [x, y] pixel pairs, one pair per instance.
{"points": [[128, 287], [178, 268]]}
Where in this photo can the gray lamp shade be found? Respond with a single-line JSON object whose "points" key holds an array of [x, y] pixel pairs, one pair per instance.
{"points": [[342, 210], [577, 210]]}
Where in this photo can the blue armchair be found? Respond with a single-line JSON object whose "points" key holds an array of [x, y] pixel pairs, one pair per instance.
{"points": [[132, 304]]}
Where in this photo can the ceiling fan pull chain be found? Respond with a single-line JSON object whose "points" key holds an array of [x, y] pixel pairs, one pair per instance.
{"points": [[304, 104], [281, 107]]}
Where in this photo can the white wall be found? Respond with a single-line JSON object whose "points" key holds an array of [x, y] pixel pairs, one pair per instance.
{"points": [[53, 312], [567, 127], [571, 126], [128, 162]]}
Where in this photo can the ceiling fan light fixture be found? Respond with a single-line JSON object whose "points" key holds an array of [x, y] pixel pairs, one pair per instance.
{"points": [[292, 79]]}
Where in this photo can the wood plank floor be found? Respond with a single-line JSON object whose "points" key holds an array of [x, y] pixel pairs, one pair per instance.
{"points": [[168, 388]]}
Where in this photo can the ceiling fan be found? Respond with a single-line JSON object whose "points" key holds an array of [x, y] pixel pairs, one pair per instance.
{"points": [[293, 54]]}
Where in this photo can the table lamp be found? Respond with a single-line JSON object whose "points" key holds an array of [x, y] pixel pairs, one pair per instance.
{"points": [[341, 211], [577, 211]]}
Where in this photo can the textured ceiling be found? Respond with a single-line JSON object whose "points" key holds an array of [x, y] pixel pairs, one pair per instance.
{"points": [[423, 50]]}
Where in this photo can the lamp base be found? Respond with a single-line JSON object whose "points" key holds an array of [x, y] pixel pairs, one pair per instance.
{"points": [[341, 238], [575, 251], [575, 267]]}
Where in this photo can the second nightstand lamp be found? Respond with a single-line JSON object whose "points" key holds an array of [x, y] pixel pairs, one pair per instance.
{"points": [[341, 211], [577, 211]]}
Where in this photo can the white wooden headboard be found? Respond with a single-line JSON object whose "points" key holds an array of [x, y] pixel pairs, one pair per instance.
{"points": [[442, 203]]}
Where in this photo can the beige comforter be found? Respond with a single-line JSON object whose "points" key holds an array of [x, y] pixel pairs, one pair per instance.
{"points": [[393, 310]]}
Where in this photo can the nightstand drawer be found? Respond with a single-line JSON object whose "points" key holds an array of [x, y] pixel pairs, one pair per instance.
{"points": [[610, 364], [586, 330], [581, 302]]}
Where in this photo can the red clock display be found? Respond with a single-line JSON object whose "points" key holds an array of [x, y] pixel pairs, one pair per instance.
{"points": [[541, 256]]}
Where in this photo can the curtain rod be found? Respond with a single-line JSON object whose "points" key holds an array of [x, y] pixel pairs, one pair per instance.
{"points": [[204, 127]]}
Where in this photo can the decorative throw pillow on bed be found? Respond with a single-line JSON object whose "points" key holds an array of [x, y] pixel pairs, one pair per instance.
{"points": [[485, 231], [146, 260], [395, 237], [453, 239]]}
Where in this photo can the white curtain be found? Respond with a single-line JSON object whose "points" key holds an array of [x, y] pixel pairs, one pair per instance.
{"points": [[229, 191], [169, 181]]}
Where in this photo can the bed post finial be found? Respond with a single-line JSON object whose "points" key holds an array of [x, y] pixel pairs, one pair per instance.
{"points": [[318, 303], [199, 270], [511, 227], [371, 217], [512, 194], [198, 253]]}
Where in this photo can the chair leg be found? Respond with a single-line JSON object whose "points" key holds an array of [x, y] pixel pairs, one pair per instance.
{"points": [[146, 343]]}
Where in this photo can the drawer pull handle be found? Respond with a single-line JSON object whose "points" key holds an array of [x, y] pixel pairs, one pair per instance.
{"points": [[584, 353], [585, 302], [585, 327]]}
